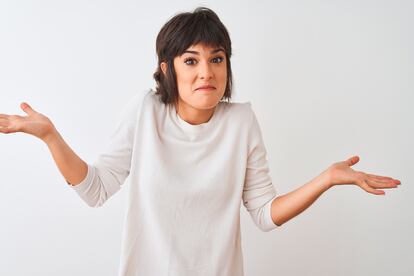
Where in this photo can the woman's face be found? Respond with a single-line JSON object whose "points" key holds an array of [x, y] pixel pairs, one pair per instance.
{"points": [[199, 66]]}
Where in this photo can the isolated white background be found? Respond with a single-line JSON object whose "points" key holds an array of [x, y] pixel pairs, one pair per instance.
{"points": [[327, 80]]}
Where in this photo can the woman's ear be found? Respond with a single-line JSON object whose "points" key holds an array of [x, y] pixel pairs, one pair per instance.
{"points": [[163, 66]]}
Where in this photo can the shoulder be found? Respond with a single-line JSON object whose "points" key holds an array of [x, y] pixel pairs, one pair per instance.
{"points": [[132, 107], [141, 96], [243, 117], [152, 100], [240, 111]]}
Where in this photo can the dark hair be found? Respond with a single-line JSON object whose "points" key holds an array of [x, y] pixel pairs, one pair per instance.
{"points": [[177, 35]]}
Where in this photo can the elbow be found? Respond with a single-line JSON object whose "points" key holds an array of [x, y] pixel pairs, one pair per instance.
{"points": [[93, 203], [263, 229], [278, 224], [95, 199], [268, 228], [263, 220], [99, 200], [94, 193], [96, 204], [264, 217], [276, 221]]}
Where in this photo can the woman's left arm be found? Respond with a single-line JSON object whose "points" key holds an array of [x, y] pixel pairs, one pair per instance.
{"points": [[287, 206]]}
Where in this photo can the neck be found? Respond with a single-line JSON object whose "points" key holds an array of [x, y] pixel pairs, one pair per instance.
{"points": [[193, 115]]}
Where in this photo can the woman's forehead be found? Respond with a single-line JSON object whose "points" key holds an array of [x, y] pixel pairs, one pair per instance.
{"points": [[203, 48]]}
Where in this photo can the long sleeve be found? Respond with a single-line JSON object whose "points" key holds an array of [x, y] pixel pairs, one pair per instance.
{"points": [[258, 191], [109, 171]]}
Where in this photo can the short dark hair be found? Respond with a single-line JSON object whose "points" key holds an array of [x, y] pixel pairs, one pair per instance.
{"points": [[177, 35]]}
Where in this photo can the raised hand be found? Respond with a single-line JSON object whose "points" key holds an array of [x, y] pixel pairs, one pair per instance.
{"points": [[341, 173], [35, 123]]}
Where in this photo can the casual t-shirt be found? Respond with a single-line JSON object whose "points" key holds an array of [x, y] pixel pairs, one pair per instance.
{"points": [[186, 185]]}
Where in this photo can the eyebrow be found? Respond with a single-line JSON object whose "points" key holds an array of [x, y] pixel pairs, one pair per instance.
{"points": [[211, 52]]}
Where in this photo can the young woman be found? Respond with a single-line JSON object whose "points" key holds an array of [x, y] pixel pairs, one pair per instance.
{"points": [[191, 156]]}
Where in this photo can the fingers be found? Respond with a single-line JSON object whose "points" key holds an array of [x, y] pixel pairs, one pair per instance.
{"points": [[381, 184], [4, 129], [364, 185], [6, 117], [4, 121], [384, 180], [27, 108], [353, 160], [371, 183], [8, 123], [378, 176]]}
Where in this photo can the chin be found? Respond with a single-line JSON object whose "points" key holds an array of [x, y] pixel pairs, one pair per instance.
{"points": [[203, 102], [206, 104]]}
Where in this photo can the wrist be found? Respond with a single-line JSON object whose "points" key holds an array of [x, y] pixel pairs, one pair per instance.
{"points": [[326, 179], [51, 136]]}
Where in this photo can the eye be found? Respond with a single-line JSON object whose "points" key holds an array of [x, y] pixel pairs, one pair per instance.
{"points": [[189, 59], [192, 61], [218, 59]]}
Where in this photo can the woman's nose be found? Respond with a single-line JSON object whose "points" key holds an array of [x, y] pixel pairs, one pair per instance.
{"points": [[206, 71]]}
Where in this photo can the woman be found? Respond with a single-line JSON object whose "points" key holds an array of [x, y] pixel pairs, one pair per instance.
{"points": [[191, 157]]}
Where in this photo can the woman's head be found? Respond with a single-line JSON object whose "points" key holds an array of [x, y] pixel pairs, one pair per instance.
{"points": [[194, 49]]}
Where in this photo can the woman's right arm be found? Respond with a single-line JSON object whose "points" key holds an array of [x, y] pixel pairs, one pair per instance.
{"points": [[73, 169], [94, 182], [70, 165]]}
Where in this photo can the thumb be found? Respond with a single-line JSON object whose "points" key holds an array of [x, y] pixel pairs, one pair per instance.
{"points": [[353, 160], [27, 108]]}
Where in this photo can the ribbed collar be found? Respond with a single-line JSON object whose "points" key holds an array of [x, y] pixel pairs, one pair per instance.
{"points": [[189, 128]]}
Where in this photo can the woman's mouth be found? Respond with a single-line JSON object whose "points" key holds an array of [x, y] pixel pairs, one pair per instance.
{"points": [[205, 88]]}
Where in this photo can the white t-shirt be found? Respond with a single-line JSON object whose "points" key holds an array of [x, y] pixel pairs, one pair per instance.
{"points": [[186, 186]]}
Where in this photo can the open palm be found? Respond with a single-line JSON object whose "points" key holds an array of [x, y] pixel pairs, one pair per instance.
{"points": [[35, 123], [342, 173]]}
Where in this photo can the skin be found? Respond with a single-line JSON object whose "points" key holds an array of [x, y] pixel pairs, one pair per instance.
{"points": [[287, 206], [35, 123], [195, 107], [204, 66]]}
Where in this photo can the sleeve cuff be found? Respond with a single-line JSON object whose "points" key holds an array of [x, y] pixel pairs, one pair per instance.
{"points": [[268, 216], [86, 182]]}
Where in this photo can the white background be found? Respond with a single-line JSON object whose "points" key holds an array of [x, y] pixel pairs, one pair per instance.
{"points": [[327, 80]]}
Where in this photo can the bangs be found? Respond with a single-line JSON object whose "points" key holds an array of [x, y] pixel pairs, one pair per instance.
{"points": [[196, 29]]}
